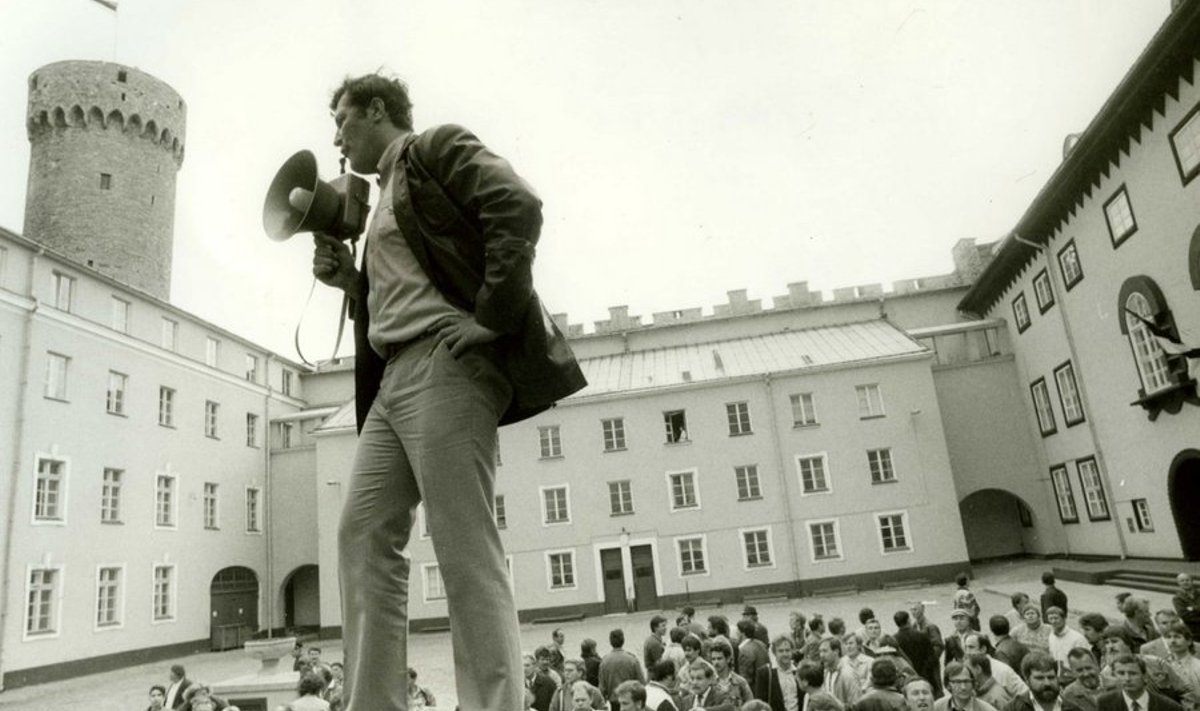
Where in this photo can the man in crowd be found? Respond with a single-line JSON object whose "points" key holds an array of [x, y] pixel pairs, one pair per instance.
{"points": [[1034, 634], [760, 630], [1062, 638], [986, 688], [1187, 603], [1163, 619], [920, 623], [1159, 676], [1019, 600], [537, 682], [1085, 690], [674, 649], [177, 688], [1093, 625], [864, 614], [573, 672], [1005, 675], [654, 647], [692, 649], [704, 694], [917, 646], [882, 696], [1052, 596], [960, 683], [811, 677], [918, 694], [1008, 650], [752, 653], [840, 679], [1042, 672], [964, 599], [1138, 621], [733, 686], [618, 666], [693, 627], [1132, 693], [953, 644], [776, 684], [661, 693], [558, 655], [631, 695], [158, 698]]}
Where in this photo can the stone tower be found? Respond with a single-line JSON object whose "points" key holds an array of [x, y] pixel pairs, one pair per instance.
{"points": [[106, 142]]}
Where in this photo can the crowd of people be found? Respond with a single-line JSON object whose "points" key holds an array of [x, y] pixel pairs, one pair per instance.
{"points": [[1028, 659]]}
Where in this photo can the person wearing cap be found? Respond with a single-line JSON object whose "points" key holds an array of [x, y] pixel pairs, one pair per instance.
{"points": [[760, 630], [953, 644]]}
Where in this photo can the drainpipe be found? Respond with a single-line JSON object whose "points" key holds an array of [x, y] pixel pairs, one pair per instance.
{"points": [[268, 518], [1060, 289], [783, 477], [10, 505]]}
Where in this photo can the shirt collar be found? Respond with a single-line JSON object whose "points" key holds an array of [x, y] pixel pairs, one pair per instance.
{"points": [[1143, 700], [388, 158]]}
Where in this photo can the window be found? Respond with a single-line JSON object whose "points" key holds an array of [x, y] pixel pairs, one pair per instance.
{"points": [[210, 418], [166, 406], [1141, 514], [110, 495], [41, 602], [501, 512], [287, 383], [1093, 489], [676, 424], [170, 331], [252, 368], [812, 474], [1043, 291], [804, 410], [614, 434], [122, 76], [497, 445], [287, 434], [880, 462], [114, 402], [560, 568], [253, 519], [435, 589], [1185, 142], [870, 401], [1064, 495], [56, 376], [823, 540], [212, 349], [164, 501], [1020, 313], [50, 491], [423, 522], [164, 593], [251, 429], [738, 414], [556, 508], [550, 442], [748, 487], [210, 505], [120, 315], [1041, 407], [756, 547], [1068, 264], [620, 497], [1148, 355], [893, 532], [1068, 394], [1119, 215], [64, 290], [683, 491], [108, 597], [692, 556]]}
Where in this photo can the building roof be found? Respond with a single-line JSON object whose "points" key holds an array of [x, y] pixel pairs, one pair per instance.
{"points": [[1134, 104], [822, 348]]}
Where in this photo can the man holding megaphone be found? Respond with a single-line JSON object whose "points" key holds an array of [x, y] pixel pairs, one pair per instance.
{"points": [[451, 342]]}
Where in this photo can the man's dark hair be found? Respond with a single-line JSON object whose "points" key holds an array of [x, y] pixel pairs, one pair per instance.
{"points": [[1038, 660], [1047, 578], [391, 91], [985, 643], [656, 621], [159, 688], [998, 624], [616, 638], [587, 648], [1180, 629], [314, 649], [1056, 608], [883, 673], [811, 674], [1080, 653], [337, 665], [177, 670], [816, 624], [746, 627], [689, 611], [541, 653], [961, 579], [691, 641], [1018, 599], [900, 618], [955, 668], [634, 688], [662, 670], [1128, 659], [982, 662], [1119, 633], [865, 614], [837, 627], [719, 625], [1095, 620], [677, 634], [310, 684], [835, 644], [721, 647]]}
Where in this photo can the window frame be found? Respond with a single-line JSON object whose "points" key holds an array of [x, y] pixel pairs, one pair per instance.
{"points": [[212, 413], [251, 368], [693, 475], [565, 488], [1070, 248], [166, 406], [612, 431], [1065, 490], [1136, 332], [550, 442], [1021, 317], [1114, 238], [706, 571], [172, 597], [837, 540], [825, 473], [252, 430], [753, 488], [212, 351], [58, 371], [172, 491], [673, 435], [1033, 394], [909, 547], [1099, 487], [500, 511], [882, 453], [737, 415], [116, 393], [1069, 368], [59, 517], [211, 492], [1141, 515], [868, 388], [1045, 302], [569, 554], [55, 602], [64, 291], [254, 511], [118, 599], [770, 548], [110, 495], [1186, 175], [120, 314], [620, 497], [169, 335], [426, 578], [798, 407]]}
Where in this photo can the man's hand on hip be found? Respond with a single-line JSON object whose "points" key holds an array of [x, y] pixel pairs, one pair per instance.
{"points": [[460, 333], [333, 264]]}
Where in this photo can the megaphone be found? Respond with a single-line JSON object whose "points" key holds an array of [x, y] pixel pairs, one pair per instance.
{"points": [[299, 201]]}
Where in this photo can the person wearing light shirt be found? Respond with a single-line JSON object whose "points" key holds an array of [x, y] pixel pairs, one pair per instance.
{"points": [[1004, 675], [1062, 638]]}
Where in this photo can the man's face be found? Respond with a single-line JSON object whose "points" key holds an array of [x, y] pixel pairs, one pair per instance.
{"points": [[356, 137], [1115, 646], [962, 623], [828, 657], [528, 665], [1057, 623], [917, 611], [338, 672], [627, 704], [962, 686], [850, 646], [1164, 619], [314, 656], [1130, 678], [918, 696], [1020, 603], [1033, 618], [1185, 582], [1043, 685], [719, 662], [660, 629], [1093, 636], [157, 698], [1177, 644], [543, 662], [700, 682], [873, 629], [971, 644], [558, 637], [1086, 671], [580, 699], [783, 654], [571, 673], [691, 654]]}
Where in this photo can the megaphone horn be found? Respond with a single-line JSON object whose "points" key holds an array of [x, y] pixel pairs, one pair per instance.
{"points": [[299, 201]]}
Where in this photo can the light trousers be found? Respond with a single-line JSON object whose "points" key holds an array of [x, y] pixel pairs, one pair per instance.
{"points": [[430, 436]]}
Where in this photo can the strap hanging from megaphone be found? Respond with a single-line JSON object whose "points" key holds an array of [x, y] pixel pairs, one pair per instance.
{"points": [[343, 313]]}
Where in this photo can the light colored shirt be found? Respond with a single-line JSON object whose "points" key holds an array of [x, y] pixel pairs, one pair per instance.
{"points": [[1143, 701], [1007, 677], [402, 301], [1061, 645], [790, 688]]}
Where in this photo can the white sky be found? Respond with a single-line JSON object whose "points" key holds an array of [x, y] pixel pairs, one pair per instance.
{"points": [[683, 148]]}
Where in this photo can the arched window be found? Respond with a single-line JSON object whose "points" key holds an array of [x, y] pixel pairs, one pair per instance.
{"points": [[1150, 359]]}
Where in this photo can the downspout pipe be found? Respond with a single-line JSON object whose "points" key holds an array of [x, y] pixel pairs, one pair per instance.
{"points": [[268, 508], [783, 477]]}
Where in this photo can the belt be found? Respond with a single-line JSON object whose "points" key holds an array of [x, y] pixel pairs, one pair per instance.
{"points": [[391, 350]]}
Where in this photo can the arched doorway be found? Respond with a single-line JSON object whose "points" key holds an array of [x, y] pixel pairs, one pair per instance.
{"points": [[996, 524], [234, 597], [302, 599], [1183, 487]]}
